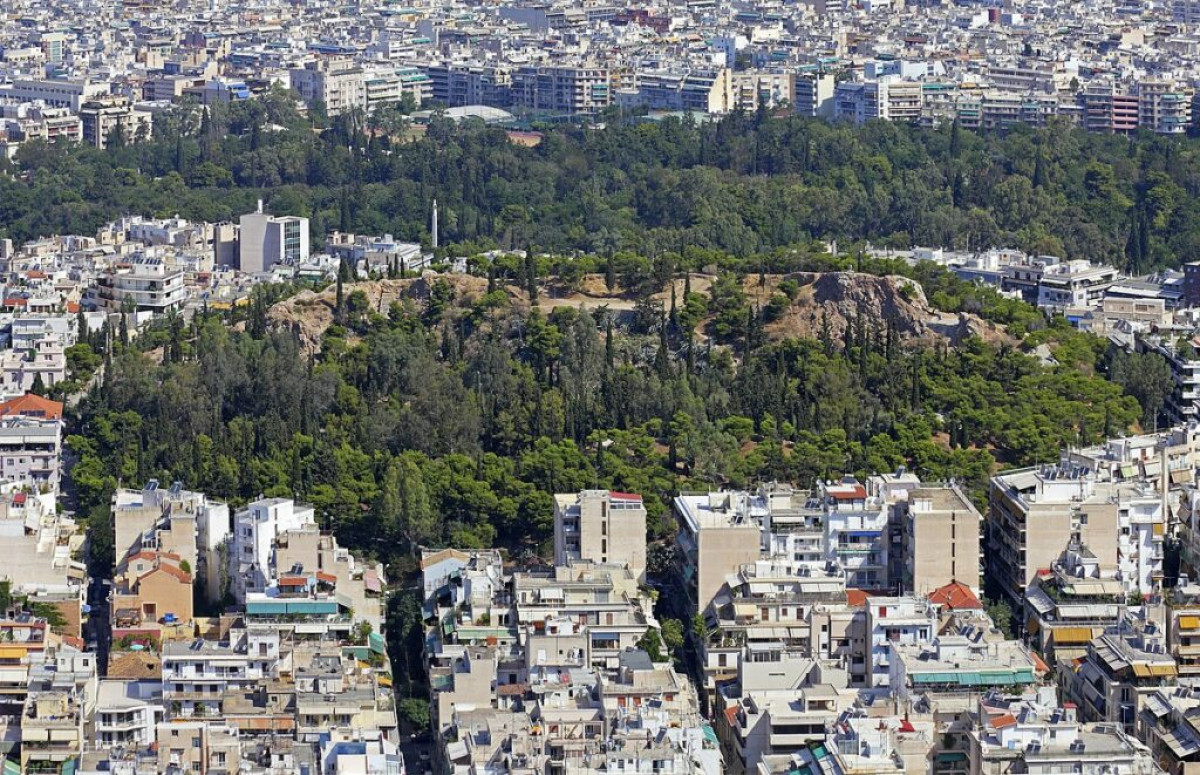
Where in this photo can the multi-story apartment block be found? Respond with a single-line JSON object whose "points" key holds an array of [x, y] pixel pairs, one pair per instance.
{"points": [[197, 675], [113, 119], [1035, 736], [1164, 107], [814, 94], [1035, 514], [717, 535], [601, 526], [456, 85], [31, 440], [893, 621], [1110, 109], [704, 91], [145, 283], [1123, 668], [128, 713], [887, 98], [957, 664], [566, 90], [941, 539], [1069, 605], [61, 93], [252, 558], [338, 83]]}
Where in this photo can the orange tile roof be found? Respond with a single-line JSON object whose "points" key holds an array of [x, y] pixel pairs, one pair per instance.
{"points": [[1007, 720], [170, 570], [31, 405], [956, 596], [856, 597]]}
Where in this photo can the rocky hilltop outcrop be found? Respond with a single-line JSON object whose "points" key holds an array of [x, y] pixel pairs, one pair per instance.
{"points": [[833, 301], [830, 301]]}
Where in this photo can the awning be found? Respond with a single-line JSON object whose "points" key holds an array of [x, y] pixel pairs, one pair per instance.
{"points": [[745, 609], [1189, 622], [1181, 476], [1154, 670], [1128, 471], [1072, 634], [371, 581], [385, 681], [11, 652]]}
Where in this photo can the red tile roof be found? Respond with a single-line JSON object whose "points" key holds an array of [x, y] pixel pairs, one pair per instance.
{"points": [[1007, 720], [855, 493], [956, 596], [623, 496], [170, 570], [293, 581], [31, 405], [856, 597]]}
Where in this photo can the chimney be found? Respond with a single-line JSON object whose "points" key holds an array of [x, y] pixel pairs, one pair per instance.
{"points": [[260, 209]]}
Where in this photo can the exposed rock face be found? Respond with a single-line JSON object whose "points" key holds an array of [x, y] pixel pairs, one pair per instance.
{"points": [[833, 301], [310, 313]]}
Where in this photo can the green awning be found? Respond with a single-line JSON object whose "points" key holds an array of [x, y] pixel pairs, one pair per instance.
{"points": [[377, 643]]}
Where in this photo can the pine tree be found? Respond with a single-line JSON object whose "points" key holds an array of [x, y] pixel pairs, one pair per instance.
{"points": [[955, 139], [344, 213], [661, 362], [340, 308], [39, 387], [1040, 175], [531, 275], [610, 272], [608, 345]]}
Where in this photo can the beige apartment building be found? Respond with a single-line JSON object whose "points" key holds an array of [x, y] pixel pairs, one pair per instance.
{"points": [[601, 526], [940, 540], [717, 535], [1036, 513]]}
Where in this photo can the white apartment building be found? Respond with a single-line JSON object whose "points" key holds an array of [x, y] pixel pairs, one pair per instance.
{"points": [[338, 83], [196, 675], [147, 283], [127, 712], [895, 621], [62, 93], [252, 563]]}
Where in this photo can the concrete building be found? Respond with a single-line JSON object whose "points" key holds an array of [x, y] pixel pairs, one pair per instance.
{"points": [[941, 540], [338, 83], [112, 119], [1035, 736], [252, 556], [266, 240], [63, 93], [601, 526], [1122, 669], [561, 89], [717, 535], [703, 91], [144, 283], [1036, 513], [814, 94], [959, 664]]}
